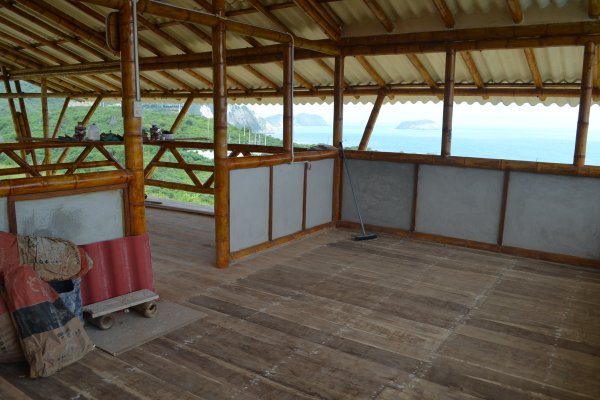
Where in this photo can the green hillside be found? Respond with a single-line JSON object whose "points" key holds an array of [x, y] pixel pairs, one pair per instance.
{"points": [[108, 118]]}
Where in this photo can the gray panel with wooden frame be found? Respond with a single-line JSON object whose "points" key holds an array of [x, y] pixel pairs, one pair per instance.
{"points": [[462, 203], [288, 198], [319, 193], [557, 214], [81, 218], [384, 192], [249, 207], [3, 215]]}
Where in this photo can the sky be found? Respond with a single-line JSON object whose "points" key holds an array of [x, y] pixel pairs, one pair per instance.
{"points": [[473, 115]]}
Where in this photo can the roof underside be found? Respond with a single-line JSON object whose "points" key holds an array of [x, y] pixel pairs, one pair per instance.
{"points": [[31, 37]]}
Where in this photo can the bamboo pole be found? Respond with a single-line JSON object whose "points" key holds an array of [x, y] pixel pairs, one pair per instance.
{"points": [[93, 108], [448, 103], [132, 124], [338, 135], [182, 113], [585, 102], [288, 97], [45, 123], [220, 141], [23, 109], [364, 142], [11, 104], [61, 117]]}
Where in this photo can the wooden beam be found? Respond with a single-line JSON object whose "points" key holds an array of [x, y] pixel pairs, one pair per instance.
{"points": [[513, 37], [585, 102], [515, 10], [364, 142], [380, 14], [369, 68], [182, 113], [312, 10], [448, 103], [23, 109], [46, 124], [533, 67], [288, 98], [445, 13], [61, 117], [267, 13], [132, 123], [219, 49], [414, 60], [473, 70], [204, 4], [338, 134]]}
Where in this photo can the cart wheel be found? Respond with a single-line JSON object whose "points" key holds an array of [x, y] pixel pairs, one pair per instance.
{"points": [[148, 309], [103, 322]]}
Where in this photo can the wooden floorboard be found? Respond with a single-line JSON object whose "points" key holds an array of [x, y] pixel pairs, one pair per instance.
{"points": [[325, 317]]}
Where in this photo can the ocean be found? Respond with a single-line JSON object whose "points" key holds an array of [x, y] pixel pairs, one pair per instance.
{"points": [[546, 145]]}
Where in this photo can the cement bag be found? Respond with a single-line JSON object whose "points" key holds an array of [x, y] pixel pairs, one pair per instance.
{"points": [[51, 336], [9, 251], [53, 259], [10, 348]]}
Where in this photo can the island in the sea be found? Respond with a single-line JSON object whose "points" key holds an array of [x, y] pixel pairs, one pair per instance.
{"points": [[421, 124]]}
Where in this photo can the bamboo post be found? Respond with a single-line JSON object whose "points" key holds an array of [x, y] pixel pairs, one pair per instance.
{"points": [[338, 126], [61, 117], [220, 140], [45, 125], [182, 113], [448, 103], [364, 142], [288, 97], [132, 124], [585, 102], [23, 109]]}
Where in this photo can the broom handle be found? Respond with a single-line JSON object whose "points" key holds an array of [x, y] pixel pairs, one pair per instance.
{"points": [[362, 226]]}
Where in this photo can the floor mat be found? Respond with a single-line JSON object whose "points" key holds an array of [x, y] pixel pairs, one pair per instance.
{"points": [[131, 329]]}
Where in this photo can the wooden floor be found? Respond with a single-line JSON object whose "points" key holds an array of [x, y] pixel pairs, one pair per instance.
{"points": [[330, 318]]}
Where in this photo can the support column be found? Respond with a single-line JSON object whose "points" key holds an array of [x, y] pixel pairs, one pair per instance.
{"points": [[448, 103], [45, 123], [288, 97], [132, 123], [220, 140], [11, 104], [338, 126], [585, 102], [364, 142]]}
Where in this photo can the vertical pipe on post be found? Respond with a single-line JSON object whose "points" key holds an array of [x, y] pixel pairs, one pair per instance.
{"points": [[364, 142], [45, 123], [132, 123], [448, 103], [585, 102], [288, 91], [220, 140], [338, 125]]}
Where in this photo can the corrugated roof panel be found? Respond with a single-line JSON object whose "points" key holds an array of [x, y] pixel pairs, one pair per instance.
{"points": [[188, 38], [355, 73], [310, 70], [560, 64], [435, 63], [501, 66]]}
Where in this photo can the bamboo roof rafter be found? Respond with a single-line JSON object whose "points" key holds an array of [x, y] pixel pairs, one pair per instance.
{"points": [[515, 10]]}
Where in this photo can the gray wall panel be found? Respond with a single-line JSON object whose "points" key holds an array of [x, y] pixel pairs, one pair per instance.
{"points": [[249, 207], [459, 202], [384, 192], [3, 215], [288, 196], [557, 214], [82, 218], [319, 193]]}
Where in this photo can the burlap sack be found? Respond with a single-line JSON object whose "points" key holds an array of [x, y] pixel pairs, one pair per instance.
{"points": [[53, 259], [51, 336], [10, 348]]}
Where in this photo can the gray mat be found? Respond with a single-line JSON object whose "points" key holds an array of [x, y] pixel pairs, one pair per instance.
{"points": [[131, 329]]}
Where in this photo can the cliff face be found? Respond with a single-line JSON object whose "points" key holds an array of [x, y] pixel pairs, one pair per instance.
{"points": [[421, 124]]}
